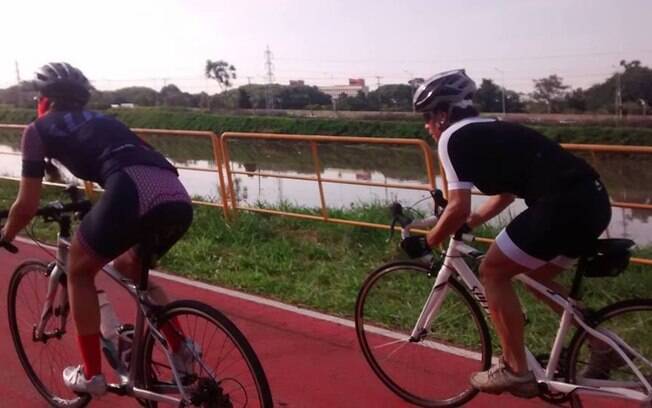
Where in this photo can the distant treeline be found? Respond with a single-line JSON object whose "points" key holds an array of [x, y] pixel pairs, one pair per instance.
{"points": [[195, 120], [633, 83]]}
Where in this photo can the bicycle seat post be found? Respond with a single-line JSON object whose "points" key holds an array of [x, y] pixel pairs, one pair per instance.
{"points": [[145, 251]]}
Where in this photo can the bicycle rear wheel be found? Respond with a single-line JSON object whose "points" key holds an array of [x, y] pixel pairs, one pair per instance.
{"points": [[225, 370], [434, 370], [45, 356], [629, 320]]}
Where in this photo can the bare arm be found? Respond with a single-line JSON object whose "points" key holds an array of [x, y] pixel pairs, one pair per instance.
{"points": [[23, 209], [454, 216], [492, 207]]}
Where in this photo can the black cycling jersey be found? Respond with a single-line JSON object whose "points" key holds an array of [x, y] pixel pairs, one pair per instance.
{"points": [[92, 146], [501, 157]]}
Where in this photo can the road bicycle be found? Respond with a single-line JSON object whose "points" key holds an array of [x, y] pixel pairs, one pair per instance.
{"points": [[422, 330], [225, 370]]}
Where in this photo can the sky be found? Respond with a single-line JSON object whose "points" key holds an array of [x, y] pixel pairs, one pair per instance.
{"points": [[154, 43]]}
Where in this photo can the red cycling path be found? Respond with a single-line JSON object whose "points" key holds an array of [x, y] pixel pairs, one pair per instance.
{"points": [[311, 359]]}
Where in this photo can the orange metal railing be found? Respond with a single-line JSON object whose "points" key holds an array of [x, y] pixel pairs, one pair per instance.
{"points": [[217, 156], [226, 185], [314, 141]]}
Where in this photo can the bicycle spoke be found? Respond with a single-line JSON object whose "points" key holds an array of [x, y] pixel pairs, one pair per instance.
{"points": [[387, 309], [221, 362]]}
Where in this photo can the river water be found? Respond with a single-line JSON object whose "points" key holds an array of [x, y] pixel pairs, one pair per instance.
{"points": [[628, 177]]}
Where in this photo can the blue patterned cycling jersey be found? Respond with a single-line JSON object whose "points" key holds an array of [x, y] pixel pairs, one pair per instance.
{"points": [[91, 145]]}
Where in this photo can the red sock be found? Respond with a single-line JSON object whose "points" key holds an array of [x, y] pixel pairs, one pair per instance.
{"points": [[173, 334], [89, 346]]}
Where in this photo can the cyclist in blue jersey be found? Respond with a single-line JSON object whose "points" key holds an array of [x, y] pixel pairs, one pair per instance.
{"points": [[141, 192], [567, 209]]}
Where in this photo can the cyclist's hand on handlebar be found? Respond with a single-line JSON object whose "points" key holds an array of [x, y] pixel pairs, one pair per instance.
{"points": [[415, 246]]}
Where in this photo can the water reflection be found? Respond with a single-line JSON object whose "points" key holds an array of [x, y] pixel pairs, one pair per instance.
{"points": [[627, 176]]}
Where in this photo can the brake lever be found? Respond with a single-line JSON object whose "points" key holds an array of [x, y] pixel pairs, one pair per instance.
{"points": [[396, 211], [440, 202]]}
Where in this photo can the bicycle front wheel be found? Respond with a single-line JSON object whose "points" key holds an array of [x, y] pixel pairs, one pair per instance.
{"points": [[224, 370], [44, 343], [592, 363], [434, 369]]}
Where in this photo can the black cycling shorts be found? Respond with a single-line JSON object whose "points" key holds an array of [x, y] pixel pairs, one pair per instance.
{"points": [[116, 222], [559, 227]]}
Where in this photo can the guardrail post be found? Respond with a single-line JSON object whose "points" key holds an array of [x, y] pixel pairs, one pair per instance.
{"points": [[229, 174], [315, 159], [216, 141]]}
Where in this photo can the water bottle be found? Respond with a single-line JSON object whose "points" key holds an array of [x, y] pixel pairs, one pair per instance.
{"points": [[109, 330]]}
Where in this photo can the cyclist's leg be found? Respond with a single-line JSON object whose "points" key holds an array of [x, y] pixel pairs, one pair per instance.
{"points": [[496, 273], [83, 265], [106, 231], [165, 213], [130, 265], [546, 276]]}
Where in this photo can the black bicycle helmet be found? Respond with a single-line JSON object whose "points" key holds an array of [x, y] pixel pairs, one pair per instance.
{"points": [[60, 80], [446, 87]]}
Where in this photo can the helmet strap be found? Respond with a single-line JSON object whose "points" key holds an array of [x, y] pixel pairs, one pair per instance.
{"points": [[43, 106]]}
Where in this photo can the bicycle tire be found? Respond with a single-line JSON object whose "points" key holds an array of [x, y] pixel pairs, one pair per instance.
{"points": [[629, 320], [241, 357], [391, 317], [56, 393]]}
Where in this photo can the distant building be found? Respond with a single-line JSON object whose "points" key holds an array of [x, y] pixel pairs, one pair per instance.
{"points": [[355, 85], [123, 105], [298, 82]]}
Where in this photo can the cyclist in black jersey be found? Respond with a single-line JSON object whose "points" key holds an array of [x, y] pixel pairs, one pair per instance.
{"points": [[142, 195], [568, 208]]}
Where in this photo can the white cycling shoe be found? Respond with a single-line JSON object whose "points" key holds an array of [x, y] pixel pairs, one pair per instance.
{"points": [[74, 379]]}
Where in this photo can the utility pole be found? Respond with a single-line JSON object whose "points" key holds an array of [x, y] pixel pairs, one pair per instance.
{"points": [[269, 100], [618, 100], [502, 88], [249, 80], [378, 80], [19, 91], [17, 73]]}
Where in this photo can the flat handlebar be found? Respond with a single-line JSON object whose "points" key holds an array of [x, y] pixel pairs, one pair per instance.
{"points": [[52, 212]]}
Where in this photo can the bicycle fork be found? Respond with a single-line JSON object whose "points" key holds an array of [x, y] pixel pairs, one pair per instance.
{"points": [[432, 305], [56, 304]]}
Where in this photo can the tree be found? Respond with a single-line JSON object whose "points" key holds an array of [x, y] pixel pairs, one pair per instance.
{"points": [[221, 71], [489, 96], [397, 97], [635, 83], [243, 99], [171, 95], [576, 100], [550, 90]]}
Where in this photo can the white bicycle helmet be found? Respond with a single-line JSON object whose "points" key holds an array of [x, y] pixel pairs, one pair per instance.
{"points": [[451, 87]]}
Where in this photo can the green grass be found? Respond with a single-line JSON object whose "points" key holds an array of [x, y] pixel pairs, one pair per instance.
{"points": [[321, 266]]}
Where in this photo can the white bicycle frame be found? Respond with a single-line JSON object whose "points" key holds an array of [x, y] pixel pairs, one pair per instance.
{"points": [[455, 264]]}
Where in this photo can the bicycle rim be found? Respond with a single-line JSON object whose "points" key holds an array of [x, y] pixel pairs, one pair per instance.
{"points": [[226, 371], [43, 361], [433, 371], [631, 321]]}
